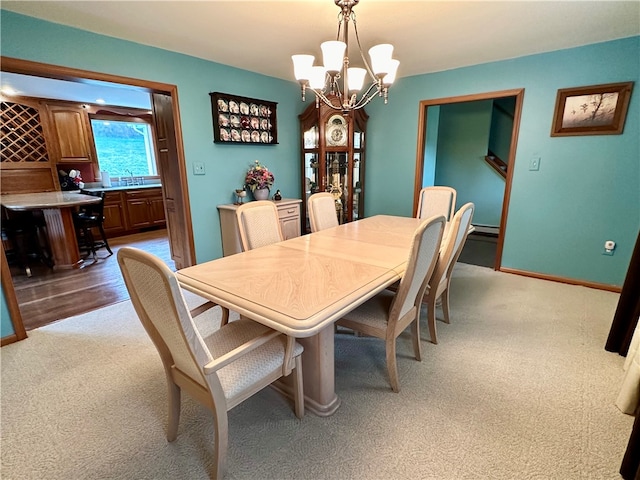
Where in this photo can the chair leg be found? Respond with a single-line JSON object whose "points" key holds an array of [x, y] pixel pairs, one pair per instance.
{"points": [[415, 338], [445, 304], [104, 239], [225, 316], [392, 367], [174, 410], [221, 439], [431, 319], [89, 242], [298, 390]]}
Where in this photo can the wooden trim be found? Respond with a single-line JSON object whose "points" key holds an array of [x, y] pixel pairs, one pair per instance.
{"points": [[12, 305], [511, 162], [190, 255], [27, 67], [497, 164], [422, 128], [570, 281]]}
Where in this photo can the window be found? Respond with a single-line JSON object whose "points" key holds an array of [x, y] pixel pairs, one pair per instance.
{"points": [[125, 147]]}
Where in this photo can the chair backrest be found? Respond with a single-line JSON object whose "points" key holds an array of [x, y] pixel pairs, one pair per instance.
{"points": [[258, 224], [158, 301], [422, 259], [437, 201], [322, 211], [95, 210], [452, 246]]}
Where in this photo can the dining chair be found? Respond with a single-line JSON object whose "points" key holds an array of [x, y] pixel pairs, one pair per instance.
{"points": [[220, 370], [439, 283], [389, 313], [258, 224], [88, 218], [436, 201], [322, 211]]}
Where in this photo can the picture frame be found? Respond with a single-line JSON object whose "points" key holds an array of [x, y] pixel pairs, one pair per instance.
{"points": [[243, 120], [591, 110]]}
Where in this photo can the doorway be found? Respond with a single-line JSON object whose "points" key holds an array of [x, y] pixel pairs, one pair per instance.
{"points": [[427, 143], [170, 165]]}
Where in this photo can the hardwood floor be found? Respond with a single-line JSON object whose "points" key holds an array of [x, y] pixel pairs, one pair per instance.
{"points": [[49, 296]]}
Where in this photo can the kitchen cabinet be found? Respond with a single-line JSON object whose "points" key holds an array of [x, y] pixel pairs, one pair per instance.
{"points": [[145, 208], [288, 214], [73, 135], [114, 214], [332, 154]]}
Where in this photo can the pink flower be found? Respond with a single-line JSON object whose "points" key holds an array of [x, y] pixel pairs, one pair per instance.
{"points": [[258, 176]]}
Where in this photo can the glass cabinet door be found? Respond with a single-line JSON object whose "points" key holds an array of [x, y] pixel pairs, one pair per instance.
{"points": [[358, 174], [337, 175], [333, 158]]}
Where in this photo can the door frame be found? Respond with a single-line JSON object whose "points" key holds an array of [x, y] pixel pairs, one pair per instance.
{"points": [[27, 67], [422, 144]]}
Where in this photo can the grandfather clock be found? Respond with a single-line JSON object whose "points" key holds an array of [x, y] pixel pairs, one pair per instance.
{"points": [[333, 159]]}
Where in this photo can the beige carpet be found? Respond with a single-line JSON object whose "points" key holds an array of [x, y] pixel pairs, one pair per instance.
{"points": [[519, 387]]}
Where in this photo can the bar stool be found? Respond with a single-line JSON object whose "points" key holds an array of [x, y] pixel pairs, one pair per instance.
{"points": [[86, 219], [24, 236]]}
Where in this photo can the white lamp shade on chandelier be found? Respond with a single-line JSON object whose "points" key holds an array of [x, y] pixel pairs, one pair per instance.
{"points": [[326, 79]]}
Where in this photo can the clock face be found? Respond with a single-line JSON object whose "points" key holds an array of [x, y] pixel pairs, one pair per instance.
{"points": [[336, 133]]}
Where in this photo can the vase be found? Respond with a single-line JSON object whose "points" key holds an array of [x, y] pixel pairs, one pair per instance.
{"points": [[261, 193]]}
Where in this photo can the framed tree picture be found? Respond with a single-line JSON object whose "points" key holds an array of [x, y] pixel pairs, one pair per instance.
{"points": [[593, 110], [242, 120]]}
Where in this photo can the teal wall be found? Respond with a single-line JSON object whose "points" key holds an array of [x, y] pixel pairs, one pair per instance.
{"points": [[587, 190], [462, 145], [431, 146], [588, 187], [6, 327], [502, 128]]}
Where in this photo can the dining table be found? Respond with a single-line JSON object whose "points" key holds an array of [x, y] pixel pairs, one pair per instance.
{"points": [[301, 286], [57, 209]]}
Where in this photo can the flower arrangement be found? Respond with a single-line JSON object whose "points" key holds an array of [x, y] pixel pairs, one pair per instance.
{"points": [[258, 176]]}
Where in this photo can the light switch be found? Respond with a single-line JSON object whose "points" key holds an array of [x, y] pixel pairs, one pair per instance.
{"points": [[198, 168], [534, 163]]}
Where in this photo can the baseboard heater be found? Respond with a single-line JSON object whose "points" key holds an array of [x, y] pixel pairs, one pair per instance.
{"points": [[487, 229]]}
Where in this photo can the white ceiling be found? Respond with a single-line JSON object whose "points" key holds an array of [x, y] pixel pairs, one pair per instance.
{"points": [[428, 36]]}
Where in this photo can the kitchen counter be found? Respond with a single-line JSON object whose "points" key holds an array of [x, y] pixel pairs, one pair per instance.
{"points": [[57, 208], [120, 188]]}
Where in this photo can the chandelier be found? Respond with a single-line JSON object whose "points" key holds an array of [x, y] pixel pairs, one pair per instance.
{"points": [[336, 79]]}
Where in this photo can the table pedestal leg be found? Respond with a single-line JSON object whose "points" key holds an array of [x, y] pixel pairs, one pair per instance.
{"points": [[62, 238], [318, 364]]}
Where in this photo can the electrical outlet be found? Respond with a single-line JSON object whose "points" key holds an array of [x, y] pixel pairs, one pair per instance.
{"points": [[534, 164], [198, 168]]}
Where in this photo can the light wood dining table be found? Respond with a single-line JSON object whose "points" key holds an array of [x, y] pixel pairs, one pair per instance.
{"points": [[303, 285], [57, 208]]}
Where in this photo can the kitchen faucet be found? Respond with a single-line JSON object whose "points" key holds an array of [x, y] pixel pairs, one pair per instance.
{"points": [[131, 180]]}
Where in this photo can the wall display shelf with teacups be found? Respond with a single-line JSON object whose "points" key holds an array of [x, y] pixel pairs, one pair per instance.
{"points": [[243, 120]]}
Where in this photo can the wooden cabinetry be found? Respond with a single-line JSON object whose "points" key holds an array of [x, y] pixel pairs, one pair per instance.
{"points": [[114, 214], [332, 149], [25, 161], [72, 131], [145, 208], [127, 211], [288, 213]]}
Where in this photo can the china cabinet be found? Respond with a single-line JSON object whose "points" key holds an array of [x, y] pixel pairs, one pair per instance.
{"points": [[333, 159]]}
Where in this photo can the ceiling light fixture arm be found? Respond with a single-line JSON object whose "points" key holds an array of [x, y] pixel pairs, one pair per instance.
{"points": [[337, 77]]}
